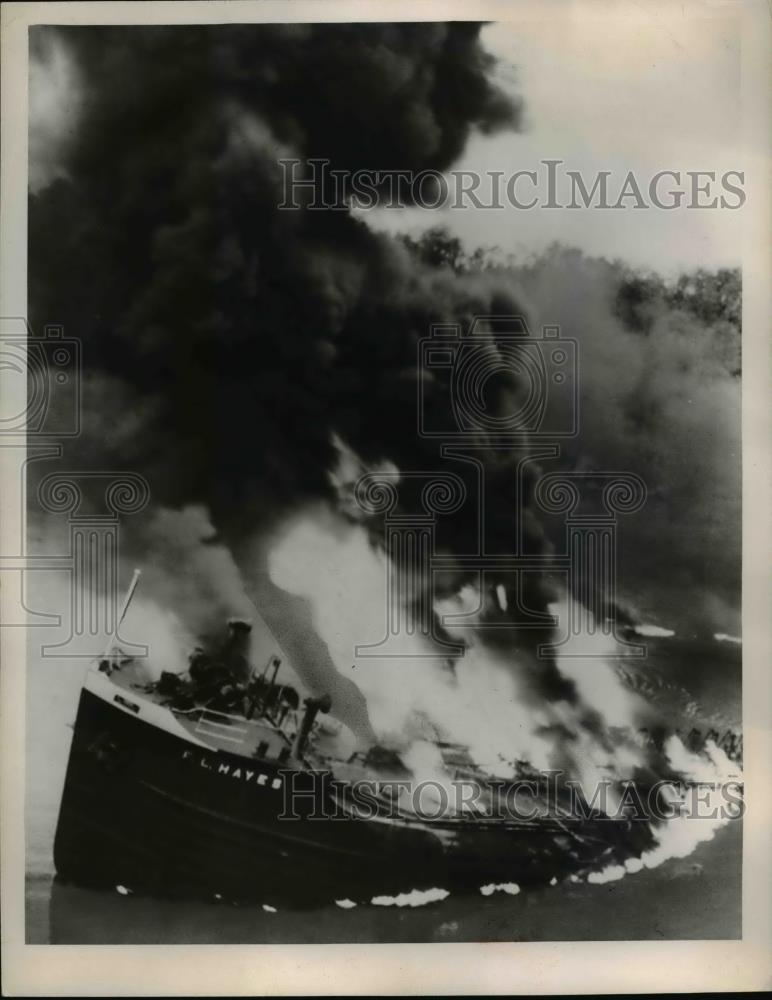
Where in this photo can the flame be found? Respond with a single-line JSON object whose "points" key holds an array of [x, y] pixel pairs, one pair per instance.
{"points": [[416, 897], [474, 701], [653, 631], [482, 699], [510, 888], [478, 700], [678, 837]]}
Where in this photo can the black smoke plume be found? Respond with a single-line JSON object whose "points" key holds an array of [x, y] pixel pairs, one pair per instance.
{"points": [[245, 335], [226, 342]]}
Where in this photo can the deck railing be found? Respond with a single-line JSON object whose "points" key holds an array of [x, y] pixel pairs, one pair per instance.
{"points": [[225, 726]]}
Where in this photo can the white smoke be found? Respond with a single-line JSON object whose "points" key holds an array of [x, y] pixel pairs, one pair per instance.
{"points": [[55, 99], [653, 631], [477, 700], [711, 769], [474, 701], [704, 810]]}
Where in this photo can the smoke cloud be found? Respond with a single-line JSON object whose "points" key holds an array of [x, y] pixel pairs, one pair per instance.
{"points": [[245, 335], [227, 342], [660, 396], [230, 345]]}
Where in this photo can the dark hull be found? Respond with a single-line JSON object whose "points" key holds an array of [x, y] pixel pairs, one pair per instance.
{"points": [[145, 809]]}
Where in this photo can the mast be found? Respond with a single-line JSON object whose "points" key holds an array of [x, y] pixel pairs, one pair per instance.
{"points": [[124, 608]]}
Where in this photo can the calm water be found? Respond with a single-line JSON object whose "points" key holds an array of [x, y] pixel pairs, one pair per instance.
{"points": [[697, 897], [691, 898]]}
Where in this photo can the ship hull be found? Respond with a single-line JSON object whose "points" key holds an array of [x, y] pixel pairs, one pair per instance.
{"points": [[153, 812]]}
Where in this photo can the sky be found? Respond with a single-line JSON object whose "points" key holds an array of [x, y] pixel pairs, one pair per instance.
{"points": [[615, 94], [619, 95]]}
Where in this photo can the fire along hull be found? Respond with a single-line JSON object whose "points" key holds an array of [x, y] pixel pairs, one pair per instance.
{"points": [[156, 811]]}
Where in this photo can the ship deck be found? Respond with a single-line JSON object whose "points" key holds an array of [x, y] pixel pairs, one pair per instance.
{"points": [[129, 689], [234, 733]]}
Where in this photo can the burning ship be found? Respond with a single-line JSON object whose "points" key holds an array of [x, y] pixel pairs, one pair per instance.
{"points": [[220, 783]]}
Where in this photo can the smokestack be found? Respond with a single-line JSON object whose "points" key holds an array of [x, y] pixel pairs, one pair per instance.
{"points": [[313, 707], [238, 635], [236, 649]]}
